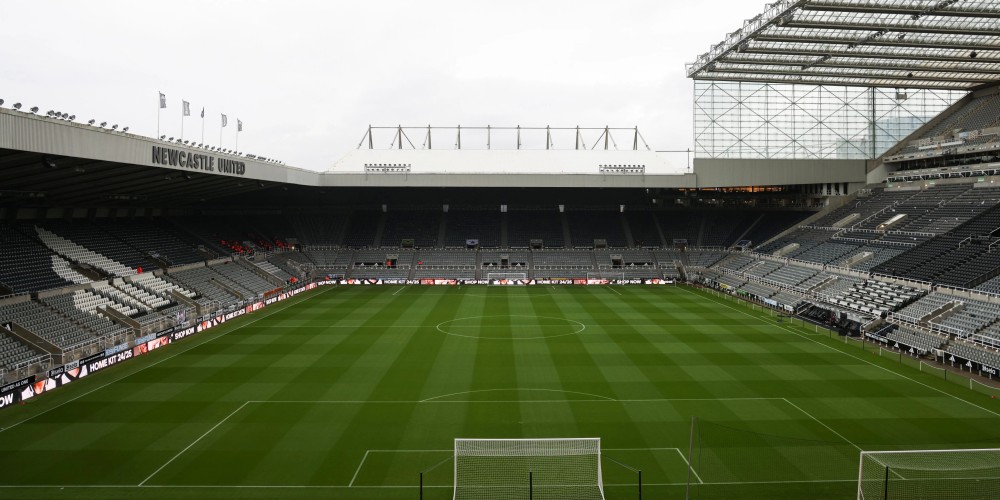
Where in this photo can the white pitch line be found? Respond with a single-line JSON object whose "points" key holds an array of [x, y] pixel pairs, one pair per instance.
{"points": [[400, 290], [820, 422], [616, 291], [178, 353], [360, 464], [376, 487], [216, 426], [696, 476], [793, 332], [505, 401]]}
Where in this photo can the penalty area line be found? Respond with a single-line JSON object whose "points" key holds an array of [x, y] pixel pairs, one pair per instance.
{"points": [[216, 426]]}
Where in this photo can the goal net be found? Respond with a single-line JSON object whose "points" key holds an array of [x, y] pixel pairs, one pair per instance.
{"points": [[919, 474], [540, 469], [605, 276], [506, 277]]}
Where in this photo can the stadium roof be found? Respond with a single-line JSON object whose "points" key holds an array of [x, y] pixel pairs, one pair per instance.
{"points": [[932, 44]]}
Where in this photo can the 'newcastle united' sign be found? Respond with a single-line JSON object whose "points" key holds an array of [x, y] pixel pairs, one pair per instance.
{"points": [[197, 161]]}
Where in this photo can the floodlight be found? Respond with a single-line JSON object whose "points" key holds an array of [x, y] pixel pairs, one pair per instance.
{"points": [[104, 124], [170, 139], [114, 127], [91, 122], [34, 109], [163, 137], [17, 105], [65, 116], [72, 117], [1, 102], [123, 130], [50, 113]]}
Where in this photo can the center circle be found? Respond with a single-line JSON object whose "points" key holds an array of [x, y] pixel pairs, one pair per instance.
{"points": [[510, 327]]}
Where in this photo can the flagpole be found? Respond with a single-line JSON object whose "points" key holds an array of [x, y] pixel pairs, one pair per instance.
{"points": [[221, 124], [182, 120], [237, 147], [158, 108], [203, 125]]}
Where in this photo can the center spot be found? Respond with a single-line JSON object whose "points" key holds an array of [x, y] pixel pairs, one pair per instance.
{"points": [[508, 326]]}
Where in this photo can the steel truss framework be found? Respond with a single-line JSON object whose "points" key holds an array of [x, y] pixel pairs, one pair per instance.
{"points": [[914, 44], [774, 121]]}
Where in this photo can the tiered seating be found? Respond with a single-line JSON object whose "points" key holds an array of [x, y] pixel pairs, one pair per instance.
{"points": [[974, 316], [723, 228], [865, 207], [274, 270], [989, 356], [152, 300], [792, 276], [826, 253], [121, 297], [362, 228], [680, 225], [546, 225], [585, 227], [916, 338], [979, 113], [66, 305], [420, 226], [806, 238], [330, 258], [154, 239], [62, 267], [80, 254], [27, 265], [201, 279], [323, 229], [958, 258], [875, 297], [518, 260], [91, 238], [643, 228], [839, 286], [447, 258], [159, 285], [479, 225], [565, 259], [702, 259], [89, 302], [244, 279], [16, 354], [43, 322], [736, 262], [772, 223]]}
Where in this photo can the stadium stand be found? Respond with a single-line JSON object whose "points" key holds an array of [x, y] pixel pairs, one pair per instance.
{"points": [[29, 266], [480, 225]]}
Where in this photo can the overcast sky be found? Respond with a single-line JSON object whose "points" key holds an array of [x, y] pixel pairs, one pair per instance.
{"points": [[308, 77]]}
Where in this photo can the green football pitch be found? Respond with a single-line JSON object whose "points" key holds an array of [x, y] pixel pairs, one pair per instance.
{"points": [[351, 392]]}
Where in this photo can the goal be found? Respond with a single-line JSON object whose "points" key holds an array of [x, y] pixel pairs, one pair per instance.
{"points": [[917, 474], [493, 277], [528, 468], [608, 276]]}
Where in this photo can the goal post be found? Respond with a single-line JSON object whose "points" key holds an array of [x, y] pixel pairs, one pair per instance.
{"points": [[939, 474], [528, 468], [506, 278], [610, 276]]}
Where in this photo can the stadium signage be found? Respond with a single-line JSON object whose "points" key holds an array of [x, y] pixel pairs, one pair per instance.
{"points": [[197, 161]]}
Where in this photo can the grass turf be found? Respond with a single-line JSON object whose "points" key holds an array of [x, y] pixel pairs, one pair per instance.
{"points": [[350, 392]]}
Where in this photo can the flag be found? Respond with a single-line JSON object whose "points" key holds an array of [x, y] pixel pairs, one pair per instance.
{"points": [[187, 108], [163, 100], [224, 120], [202, 111], [239, 125]]}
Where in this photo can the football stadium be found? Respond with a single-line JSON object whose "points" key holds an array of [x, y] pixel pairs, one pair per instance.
{"points": [[805, 305]]}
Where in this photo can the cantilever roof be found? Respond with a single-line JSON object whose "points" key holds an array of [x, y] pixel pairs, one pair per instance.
{"points": [[934, 44]]}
